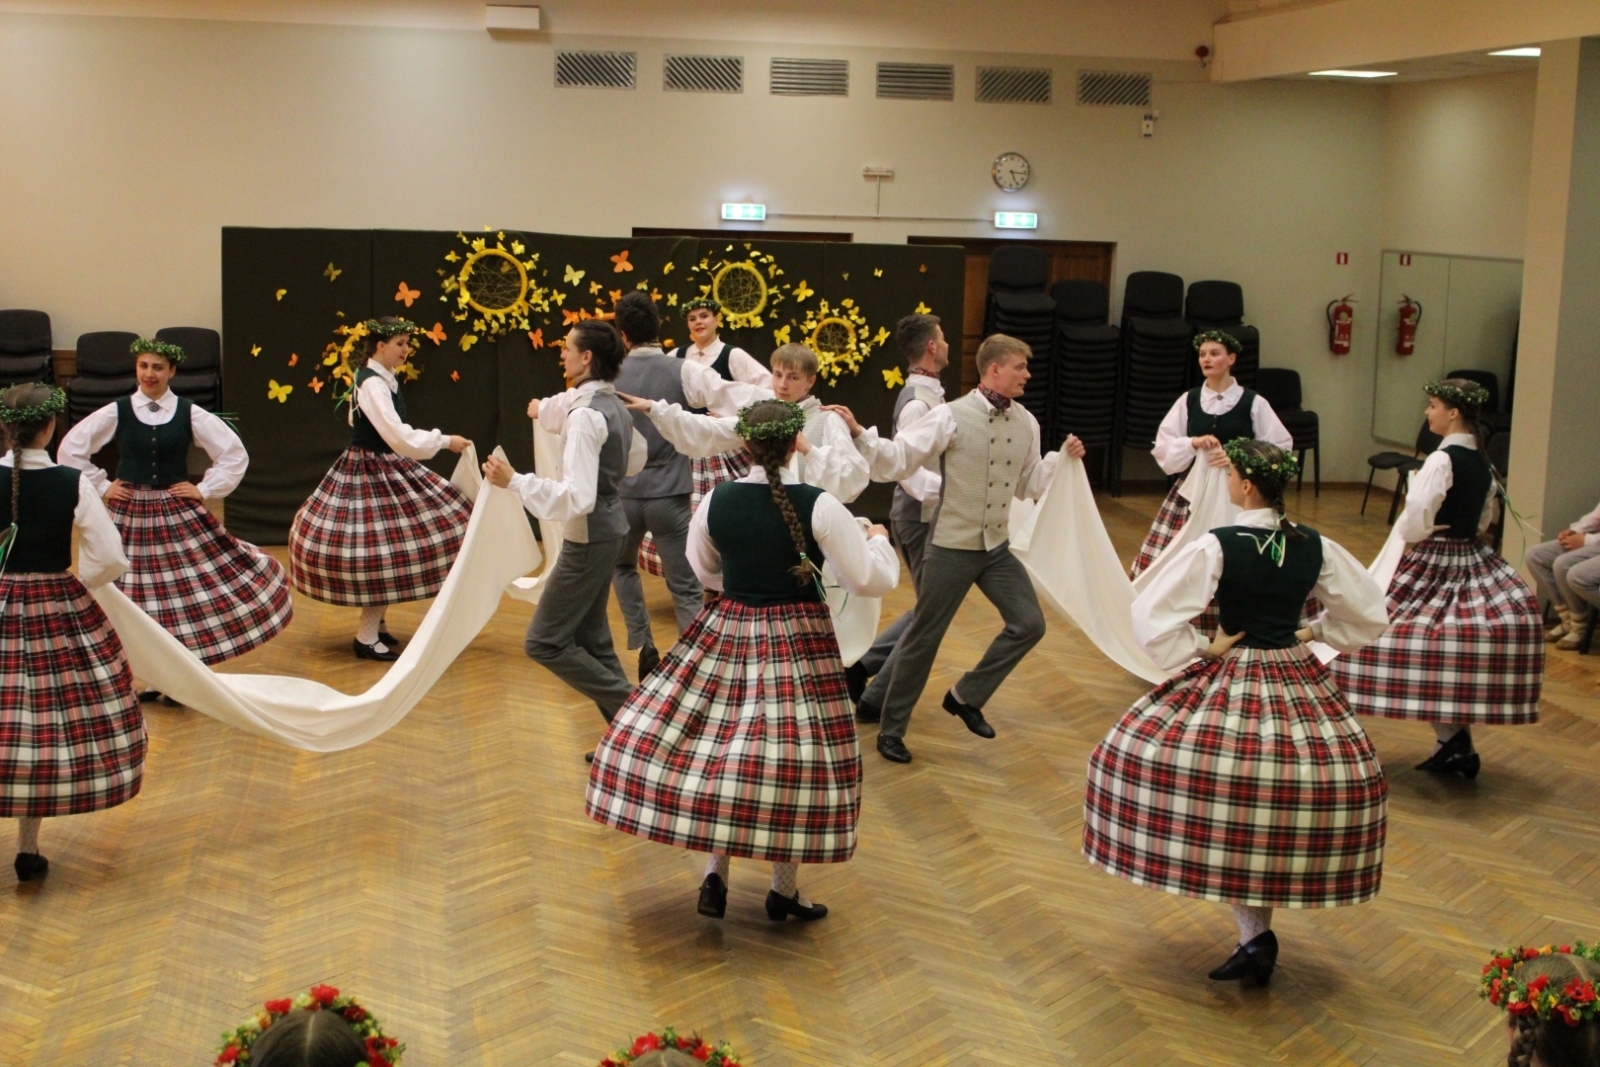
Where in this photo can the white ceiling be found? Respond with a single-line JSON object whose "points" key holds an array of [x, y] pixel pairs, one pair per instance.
{"points": [[1434, 68]]}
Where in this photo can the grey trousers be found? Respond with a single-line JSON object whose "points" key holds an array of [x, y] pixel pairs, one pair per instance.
{"points": [[667, 517], [570, 634], [912, 538], [1570, 578], [947, 574]]}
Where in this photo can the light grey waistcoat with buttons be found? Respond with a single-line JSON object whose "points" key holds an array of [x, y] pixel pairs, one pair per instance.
{"points": [[907, 508], [981, 469]]}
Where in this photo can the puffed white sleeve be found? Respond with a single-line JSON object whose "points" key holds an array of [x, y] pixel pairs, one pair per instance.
{"points": [[1357, 612], [1173, 451], [1266, 425], [100, 555], [83, 441], [228, 456], [377, 404], [705, 388], [1428, 488], [696, 436], [921, 484], [1162, 613], [701, 552], [746, 368], [864, 566], [911, 449], [553, 411], [574, 493], [1037, 473], [834, 464]]}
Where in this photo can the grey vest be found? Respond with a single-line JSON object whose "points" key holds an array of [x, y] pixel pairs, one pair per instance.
{"points": [[981, 469], [907, 508], [653, 375], [607, 521]]}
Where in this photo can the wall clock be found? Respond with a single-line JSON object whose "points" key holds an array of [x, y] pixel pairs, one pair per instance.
{"points": [[1010, 171]]}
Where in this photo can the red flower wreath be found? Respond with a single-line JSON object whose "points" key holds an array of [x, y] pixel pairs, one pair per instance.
{"points": [[381, 1050], [1574, 1002], [720, 1055]]}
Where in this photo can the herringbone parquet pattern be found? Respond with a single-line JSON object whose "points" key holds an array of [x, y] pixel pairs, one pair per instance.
{"points": [[447, 873]]}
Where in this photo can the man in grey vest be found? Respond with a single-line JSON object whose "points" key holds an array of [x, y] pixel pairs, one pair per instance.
{"points": [[656, 500], [988, 451], [570, 633], [921, 340]]}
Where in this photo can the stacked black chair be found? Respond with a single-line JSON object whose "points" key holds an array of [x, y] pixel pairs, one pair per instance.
{"points": [[1019, 306], [1156, 373], [105, 372], [199, 377], [1220, 306], [1281, 388], [1081, 302], [25, 341], [1087, 359]]}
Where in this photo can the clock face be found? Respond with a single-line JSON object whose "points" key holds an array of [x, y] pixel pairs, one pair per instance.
{"points": [[1010, 171]]}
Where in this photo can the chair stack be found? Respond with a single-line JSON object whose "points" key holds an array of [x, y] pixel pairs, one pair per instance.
{"points": [[1018, 305], [1086, 367], [1216, 305], [25, 342], [1154, 363], [1281, 388], [105, 372], [199, 377]]}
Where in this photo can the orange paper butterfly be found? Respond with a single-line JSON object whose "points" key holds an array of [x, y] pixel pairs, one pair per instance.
{"points": [[407, 295], [294, 357], [621, 260], [537, 337], [316, 385], [569, 318], [437, 334]]}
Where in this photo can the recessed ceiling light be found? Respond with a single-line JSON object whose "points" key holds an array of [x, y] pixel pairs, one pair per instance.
{"points": [[1354, 73], [1522, 53]]}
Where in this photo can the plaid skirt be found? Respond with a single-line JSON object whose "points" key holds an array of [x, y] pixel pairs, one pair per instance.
{"points": [[380, 529], [709, 473], [742, 742], [71, 736], [218, 595], [1465, 642], [1169, 520], [1244, 780]]}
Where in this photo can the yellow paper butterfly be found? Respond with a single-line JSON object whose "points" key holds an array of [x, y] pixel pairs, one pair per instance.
{"points": [[881, 336], [332, 357], [672, 300], [281, 292], [573, 275], [922, 309], [480, 244], [845, 275], [621, 261], [468, 340], [451, 257], [892, 378], [781, 335], [518, 247], [877, 272], [331, 272], [667, 269], [803, 291], [277, 392], [594, 287], [407, 294], [559, 298], [255, 350]]}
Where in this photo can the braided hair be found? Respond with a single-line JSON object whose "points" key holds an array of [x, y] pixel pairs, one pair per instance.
{"points": [[22, 434], [772, 454], [1551, 1041], [1268, 468]]}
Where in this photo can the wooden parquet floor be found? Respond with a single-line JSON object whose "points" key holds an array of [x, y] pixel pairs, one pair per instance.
{"points": [[447, 873]]}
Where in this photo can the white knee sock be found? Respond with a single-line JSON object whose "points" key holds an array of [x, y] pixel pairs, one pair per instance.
{"points": [[717, 864], [785, 881], [367, 629], [28, 834], [1253, 922]]}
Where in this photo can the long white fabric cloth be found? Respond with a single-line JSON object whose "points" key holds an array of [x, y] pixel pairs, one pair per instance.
{"points": [[546, 464], [1075, 568], [1206, 489], [308, 715]]}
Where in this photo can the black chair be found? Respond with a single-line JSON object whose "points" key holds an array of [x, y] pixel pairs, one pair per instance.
{"points": [[199, 377], [1497, 450], [1281, 388], [25, 348], [1152, 294], [1214, 305], [1248, 363], [1081, 302], [1402, 464], [105, 372]]}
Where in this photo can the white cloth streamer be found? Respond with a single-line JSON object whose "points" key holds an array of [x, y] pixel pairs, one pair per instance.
{"points": [[546, 464], [1206, 489]]}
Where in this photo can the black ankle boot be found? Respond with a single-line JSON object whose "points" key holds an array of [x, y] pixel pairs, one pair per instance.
{"points": [[713, 897], [30, 865], [780, 907], [1255, 960], [1455, 756]]}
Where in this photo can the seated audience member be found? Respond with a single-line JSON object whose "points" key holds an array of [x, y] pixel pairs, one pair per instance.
{"points": [[1550, 1002], [1568, 572]]}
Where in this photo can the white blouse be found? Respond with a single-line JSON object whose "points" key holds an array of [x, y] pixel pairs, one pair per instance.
{"points": [[742, 365], [1428, 488], [376, 400], [1174, 452], [100, 555], [1356, 614], [921, 484], [864, 566], [228, 456], [583, 435]]}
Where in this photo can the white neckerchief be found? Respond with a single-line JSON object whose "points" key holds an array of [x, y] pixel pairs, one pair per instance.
{"points": [[757, 475]]}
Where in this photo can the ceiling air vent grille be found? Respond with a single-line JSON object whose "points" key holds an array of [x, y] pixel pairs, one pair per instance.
{"points": [[916, 81], [810, 77], [704, 74], [1113, 88], [597, 70], [1013, 85]]}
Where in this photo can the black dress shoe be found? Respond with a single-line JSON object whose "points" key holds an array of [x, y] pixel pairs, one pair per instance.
{"points": [[372, 651], [893, 749], [1254, 961], [855, 682], [649, 659], [588, 757], [713, 897], [148, 696], [1455, 756], [30, 865], [968, 714], [780, 907], [868, 713], [387, 638]]}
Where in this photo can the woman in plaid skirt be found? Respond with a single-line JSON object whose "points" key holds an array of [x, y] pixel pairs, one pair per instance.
{"points": [[1244, 779], [1465, 645], [381, 528], [743, 742], [1200, 420], [71, 736], [218, 595]]}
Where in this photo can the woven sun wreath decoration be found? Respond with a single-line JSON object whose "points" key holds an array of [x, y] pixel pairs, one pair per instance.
{"points": [[381, 1050], [720, 1055]]}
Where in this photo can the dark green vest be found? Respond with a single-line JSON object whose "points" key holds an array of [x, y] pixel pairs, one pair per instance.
{"points": [[756, 547], [1258, 596], [1230, 425], [47, 500], [1471, 481], [153, 455], [362, 433]]}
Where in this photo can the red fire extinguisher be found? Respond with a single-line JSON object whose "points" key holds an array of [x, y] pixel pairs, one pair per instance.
{"points": [[1340, 318], [1410, 315]]}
